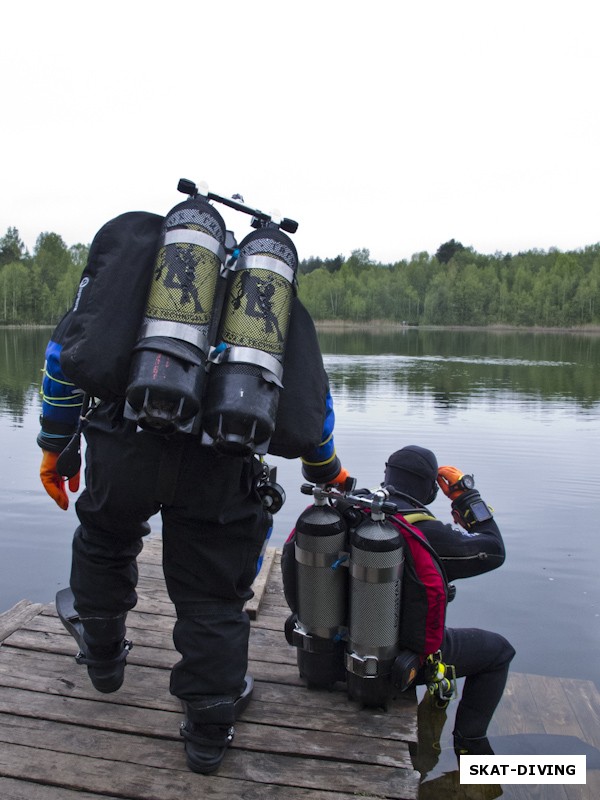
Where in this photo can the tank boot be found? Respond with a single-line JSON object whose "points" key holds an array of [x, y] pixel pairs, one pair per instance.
{"points": [[103, 648], [208, 728], [477, 746]]}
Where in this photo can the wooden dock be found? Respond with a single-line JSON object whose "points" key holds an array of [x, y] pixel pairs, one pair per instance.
{"points": [[62, 740]]}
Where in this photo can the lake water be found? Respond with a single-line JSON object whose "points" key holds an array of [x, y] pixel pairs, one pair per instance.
{"points": [[519, 410]]}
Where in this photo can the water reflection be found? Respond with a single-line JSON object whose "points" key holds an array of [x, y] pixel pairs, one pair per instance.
{"points": [[21, 360], [456, 379]]}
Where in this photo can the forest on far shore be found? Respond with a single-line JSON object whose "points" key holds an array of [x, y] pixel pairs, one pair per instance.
{"points": [[453, 286]]}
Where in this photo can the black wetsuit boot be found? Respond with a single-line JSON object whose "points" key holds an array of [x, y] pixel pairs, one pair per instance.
{"points": [[105, 652], [103, 648], [208, 728]]}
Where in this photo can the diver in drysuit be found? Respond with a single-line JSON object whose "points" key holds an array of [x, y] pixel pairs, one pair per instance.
{"points": [[214, 524], [412, 477]]}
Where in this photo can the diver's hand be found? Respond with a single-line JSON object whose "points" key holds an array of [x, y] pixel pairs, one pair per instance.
{"points": [[448, 479], [54, 483]]}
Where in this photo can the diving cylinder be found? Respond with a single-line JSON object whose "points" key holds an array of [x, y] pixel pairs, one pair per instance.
{"points": [[168, 369], [246, 366], [376, 569], [322, 594]]}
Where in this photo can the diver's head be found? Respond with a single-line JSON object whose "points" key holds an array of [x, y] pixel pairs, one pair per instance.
{"points": [[413, 471]]}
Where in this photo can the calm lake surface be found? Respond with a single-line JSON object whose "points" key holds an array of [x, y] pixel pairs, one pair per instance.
{"points": [[519, 410]]}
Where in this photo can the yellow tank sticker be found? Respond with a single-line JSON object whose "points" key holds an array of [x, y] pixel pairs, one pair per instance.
{"points": [[257, 311], [183, 286]]}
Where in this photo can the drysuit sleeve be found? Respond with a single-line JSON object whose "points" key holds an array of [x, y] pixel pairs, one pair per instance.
{"points": [[321, 465], [61, 401], [466, 553]]}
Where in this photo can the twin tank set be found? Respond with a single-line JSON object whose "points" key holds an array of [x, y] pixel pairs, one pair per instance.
{"points": [[209, 356], [349, 582]]}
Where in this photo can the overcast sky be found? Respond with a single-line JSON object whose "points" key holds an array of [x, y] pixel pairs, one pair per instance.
{"points": [[390, 126]]}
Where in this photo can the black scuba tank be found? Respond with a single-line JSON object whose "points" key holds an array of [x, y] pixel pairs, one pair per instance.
{"points": [[376, 568], [168, 368], [246, 366], [322, 594]]}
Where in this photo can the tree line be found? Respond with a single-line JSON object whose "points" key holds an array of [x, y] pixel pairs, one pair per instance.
{"points": [[453, 286]]}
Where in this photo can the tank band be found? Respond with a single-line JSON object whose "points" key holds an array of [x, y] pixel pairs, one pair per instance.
{"points": [[249, 355], [310, 559], [376, 574], [175, 330], [265, 262], [319, 640], [188, 236], [368, 666]]}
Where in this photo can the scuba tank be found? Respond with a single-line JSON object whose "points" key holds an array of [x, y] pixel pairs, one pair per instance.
{"points": [[169, 360], [246, 366], [322, 587], [376, 568]]}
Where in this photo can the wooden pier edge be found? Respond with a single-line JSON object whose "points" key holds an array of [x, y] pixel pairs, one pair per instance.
{"points": [[18, 615]]}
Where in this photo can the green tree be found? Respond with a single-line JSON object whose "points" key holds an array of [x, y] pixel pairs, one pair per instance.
{"points": [[14, 283], [448, 250], [12, 248], [51, 257]]}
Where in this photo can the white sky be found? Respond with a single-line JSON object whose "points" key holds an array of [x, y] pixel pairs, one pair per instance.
{"points": [[392, 126]]}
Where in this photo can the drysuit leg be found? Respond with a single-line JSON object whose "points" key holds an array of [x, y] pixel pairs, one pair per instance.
{"points": [[213, 533], [113, 509], [483, 658]]}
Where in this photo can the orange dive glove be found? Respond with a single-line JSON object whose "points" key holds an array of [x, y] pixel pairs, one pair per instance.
{"points": [[54, 483], [450, 482]]}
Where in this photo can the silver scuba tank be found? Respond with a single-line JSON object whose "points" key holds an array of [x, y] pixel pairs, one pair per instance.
{"points": [[168, 366], [376, 569], [322, 594], [246, 365]]}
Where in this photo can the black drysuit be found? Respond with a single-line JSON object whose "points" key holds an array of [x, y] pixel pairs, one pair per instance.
{"points": [[482, 657]]}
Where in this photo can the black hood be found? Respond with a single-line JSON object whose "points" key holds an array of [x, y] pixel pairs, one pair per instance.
{"points": [[413, 470]]}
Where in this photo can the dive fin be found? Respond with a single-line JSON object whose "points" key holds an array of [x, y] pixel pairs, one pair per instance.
{"points": [[69, 617]]}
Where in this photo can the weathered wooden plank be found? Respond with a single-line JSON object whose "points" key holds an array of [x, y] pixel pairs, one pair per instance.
{"points": [[553, 706], [584, 700], [265, 644], [16, 616], [558, 719], [250, 736], [517, 712], [139, 782], [243, 765], [259, 586], [13, 789], [159, 652], [274, 704]]}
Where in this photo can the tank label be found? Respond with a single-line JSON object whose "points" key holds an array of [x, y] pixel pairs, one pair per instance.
{"points": [[257, 311], [183, 285]]}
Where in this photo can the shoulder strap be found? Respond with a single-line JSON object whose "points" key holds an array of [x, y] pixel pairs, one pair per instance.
{"points": [[418, 516], [406, 527]]}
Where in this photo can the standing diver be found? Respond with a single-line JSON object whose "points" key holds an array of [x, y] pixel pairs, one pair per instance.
{"points": [[214, 522]]}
